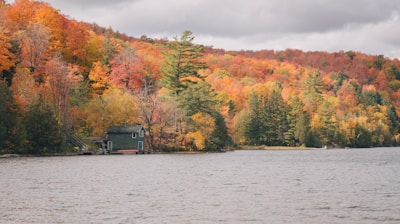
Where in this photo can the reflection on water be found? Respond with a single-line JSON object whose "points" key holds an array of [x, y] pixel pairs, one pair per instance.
{"points": [[316, 186]]}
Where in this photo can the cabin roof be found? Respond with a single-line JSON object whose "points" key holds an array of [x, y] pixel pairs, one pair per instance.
{"points": [[125, 129]]}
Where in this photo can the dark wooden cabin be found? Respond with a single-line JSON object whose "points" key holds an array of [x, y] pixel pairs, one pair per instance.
{"points": [[125, 139]]}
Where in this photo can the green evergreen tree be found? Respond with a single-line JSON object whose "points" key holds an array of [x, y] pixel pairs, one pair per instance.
{"points": [[338, 80], [197, 98], [254, 127], [370, 98], [298, 123], [181, 76], [314, 83], [312, 88], [220, 136], [267, 123], [391, 113], [200, 98], [12, 133], [379, 62], [392, 72], [329, 130], [182, 64], [43, 130], [363, 138], [275, 119], [302, 133]]}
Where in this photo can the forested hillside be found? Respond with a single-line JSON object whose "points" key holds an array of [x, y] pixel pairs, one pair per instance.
{"points": [[59, 75]]}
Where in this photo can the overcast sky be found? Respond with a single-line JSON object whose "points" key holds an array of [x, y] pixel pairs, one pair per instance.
{"points": [[369, 26]]}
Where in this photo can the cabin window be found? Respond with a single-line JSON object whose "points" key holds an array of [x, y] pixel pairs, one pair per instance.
{"points": [[141, 133], [134, 135]]}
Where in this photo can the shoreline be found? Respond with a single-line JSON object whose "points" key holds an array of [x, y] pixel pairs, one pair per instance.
{"points": [[238, 148], [264, 147], [2, 156]]}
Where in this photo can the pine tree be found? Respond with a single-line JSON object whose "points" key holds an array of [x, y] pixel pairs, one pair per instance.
{"points": [[298, 123], [198, 97], [7, 56], [182, 64], [312, 87], [267, 121], [220, 136], [43, 130], [302, 133], [329, 125], [276, 122], [181, 72], [254, 127], [12, 133], [293, 115]]}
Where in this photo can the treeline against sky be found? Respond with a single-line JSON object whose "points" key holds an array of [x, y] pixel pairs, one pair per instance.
{"points": [[62, 76]]}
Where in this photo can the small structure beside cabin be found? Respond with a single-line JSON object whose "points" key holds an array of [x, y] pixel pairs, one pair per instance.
{"points": [[125, 139]]}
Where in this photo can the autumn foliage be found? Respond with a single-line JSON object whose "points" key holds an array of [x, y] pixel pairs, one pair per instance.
{"points": [[189, 97]]}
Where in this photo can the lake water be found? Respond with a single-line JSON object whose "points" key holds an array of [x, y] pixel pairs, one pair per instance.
{"points": [[313, 186]]}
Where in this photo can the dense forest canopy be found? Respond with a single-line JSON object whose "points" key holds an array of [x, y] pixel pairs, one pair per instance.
{"points": [[59, 75]]}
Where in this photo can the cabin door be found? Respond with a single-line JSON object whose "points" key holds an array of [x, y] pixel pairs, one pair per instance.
{"points": [[140, 146], [109, 146]]}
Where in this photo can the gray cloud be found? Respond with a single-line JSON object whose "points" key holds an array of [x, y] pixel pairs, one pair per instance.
{"points": [[87, 4], [369, 26], [259, 16]]}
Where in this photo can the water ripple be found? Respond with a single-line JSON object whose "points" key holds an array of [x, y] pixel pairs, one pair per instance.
{"points": [[334, 186]]}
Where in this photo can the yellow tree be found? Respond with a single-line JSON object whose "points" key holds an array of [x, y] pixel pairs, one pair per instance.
{"points": [[51, 18], [94, 48], [99, 77], [115, 107], [347, 129], [110, 46], [6, 56], [204, 125], [325, 121], [23, 86], [379, 124]]}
